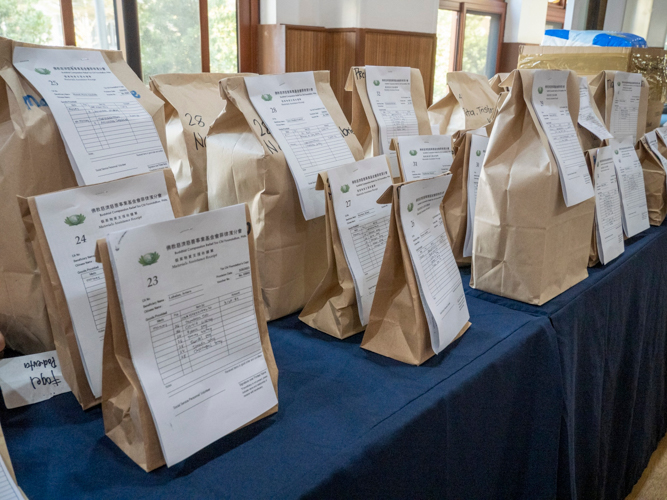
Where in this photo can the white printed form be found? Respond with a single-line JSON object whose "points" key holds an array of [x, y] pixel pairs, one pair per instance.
{"points": [[478, 143], [652, 141], [609, 224], [363, 225], [625, 105], [107, 133], [424, 156], [662, 133], [587, 116], [631, 187], [391, 100], [295, 115], [438, 277], [187, 298], [73, 221], [550, 104], [8, 488]]}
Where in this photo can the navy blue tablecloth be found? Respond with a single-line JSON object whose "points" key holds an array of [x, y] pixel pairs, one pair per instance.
{"points": [[481, 420], [611, 331]]}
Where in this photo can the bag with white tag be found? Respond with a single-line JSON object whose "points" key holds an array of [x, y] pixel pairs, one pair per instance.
{"points": [[528, 245], [246, 165], [470, 103], [654, 165], [33, 161], [193, 102]]}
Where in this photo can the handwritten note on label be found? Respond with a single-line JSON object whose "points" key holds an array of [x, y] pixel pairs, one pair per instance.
{"points": [[26, 380]]}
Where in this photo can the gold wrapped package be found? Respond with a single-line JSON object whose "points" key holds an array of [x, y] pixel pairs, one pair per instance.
{"points": [[246, 165], [527, 244]]}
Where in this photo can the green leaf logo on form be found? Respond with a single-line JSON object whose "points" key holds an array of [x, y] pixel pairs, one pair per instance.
{"points": [[540, 90], [410, 207], [267, 97], [148, 259], [75, 220], [413, 152], [42, 71], [345, 188], [376, 83]]}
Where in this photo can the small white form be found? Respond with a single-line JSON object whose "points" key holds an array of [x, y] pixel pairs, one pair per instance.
{"points": [[478, 143], [391, 100], [186, 295], [630, 179], [73, 221], [625, 105], [107, 133], [425, 156], [587, 116], [438, 278], [608, 218], [8, 488], [550, 103], [292, 110], [363, 225]]}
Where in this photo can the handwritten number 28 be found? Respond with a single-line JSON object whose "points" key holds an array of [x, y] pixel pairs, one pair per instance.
{"points": [[197, 120], [152, 281]]}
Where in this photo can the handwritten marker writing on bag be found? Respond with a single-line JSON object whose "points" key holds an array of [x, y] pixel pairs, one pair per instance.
{"points": [[31, 379]]}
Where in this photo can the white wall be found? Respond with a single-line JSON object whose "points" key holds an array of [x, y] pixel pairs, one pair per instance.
{"points": [[525, 21]]}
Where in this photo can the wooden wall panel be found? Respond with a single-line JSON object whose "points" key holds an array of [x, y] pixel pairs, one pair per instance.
{"points": [[396, 48], [305, 48], [271, 49], [342, 53]]}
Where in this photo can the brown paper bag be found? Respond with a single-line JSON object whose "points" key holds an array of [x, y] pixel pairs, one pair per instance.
{"points": [[527, 245], [655, 183], [127, 418], [56, 303], [192, 103], [33, 161], [497, 82], [469, 104], [246, 165], [333, 307], [602, 87], [398, 327], [364, 124], [593, 256]]}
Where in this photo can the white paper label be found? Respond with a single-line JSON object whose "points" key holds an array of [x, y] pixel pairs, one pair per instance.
{"points": [[107, 133], [609, 224], [291, 108], [425, 156], [8, 488], [625, 105], [631, 187], [26, 380], [587, 116], [478, 144]]}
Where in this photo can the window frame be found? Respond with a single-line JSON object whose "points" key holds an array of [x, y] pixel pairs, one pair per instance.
{"points": [[127, 23], [556, 12], [498, 7]]}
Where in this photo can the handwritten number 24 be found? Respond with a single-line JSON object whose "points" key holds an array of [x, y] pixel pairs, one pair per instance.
{"points": [[80, 239]]}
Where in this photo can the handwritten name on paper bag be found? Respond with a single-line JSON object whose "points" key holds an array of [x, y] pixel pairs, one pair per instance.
{"points": [[26, 380]]}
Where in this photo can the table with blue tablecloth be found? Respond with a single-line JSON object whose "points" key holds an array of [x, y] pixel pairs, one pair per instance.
{"points": [[567, 400]]}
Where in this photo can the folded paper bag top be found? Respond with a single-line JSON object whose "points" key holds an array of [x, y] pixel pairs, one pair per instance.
{"points": [[192, 103], [34, 161], [246, 164], [654, 168], [527, 244], [469, 103]]}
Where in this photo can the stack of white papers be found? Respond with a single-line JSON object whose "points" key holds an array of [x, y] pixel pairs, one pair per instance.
{"points": [[550, 103], [625, 105], [363, 225], [478, 143], [186, 295], [608, 218], [438, 278], [73, 221], [587, 116], [8, 488], [107, 133], [295, 115], [630, 178], [391, 100], [425, 156], [662, 133]]}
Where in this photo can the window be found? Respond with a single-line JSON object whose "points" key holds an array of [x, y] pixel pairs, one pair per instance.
{"points": [[469, 39], [175, 36], [555, 15]]}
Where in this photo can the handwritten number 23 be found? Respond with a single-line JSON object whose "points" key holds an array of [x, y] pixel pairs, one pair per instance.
{"points": [[152, 281]]}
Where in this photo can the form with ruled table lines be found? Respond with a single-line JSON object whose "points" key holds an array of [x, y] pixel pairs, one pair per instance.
{"points": [[107, 133], [424, 156], [609, 224], [186, 294], [478, 143], [8, 488], [363, 225], [630, 177], [625, 105], [73, 221]]}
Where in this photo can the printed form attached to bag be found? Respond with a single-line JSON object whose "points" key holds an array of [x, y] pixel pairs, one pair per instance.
{"points": [[587, 117], [389, 91], [551, 107], [186, 294], [438, 277], [292, 110], [363, 225], [625, 105], [609, 224], [478, 143], [73, 221], [425, 156], [107, 133], [652, 141], [630, 177], [8, 488]]}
